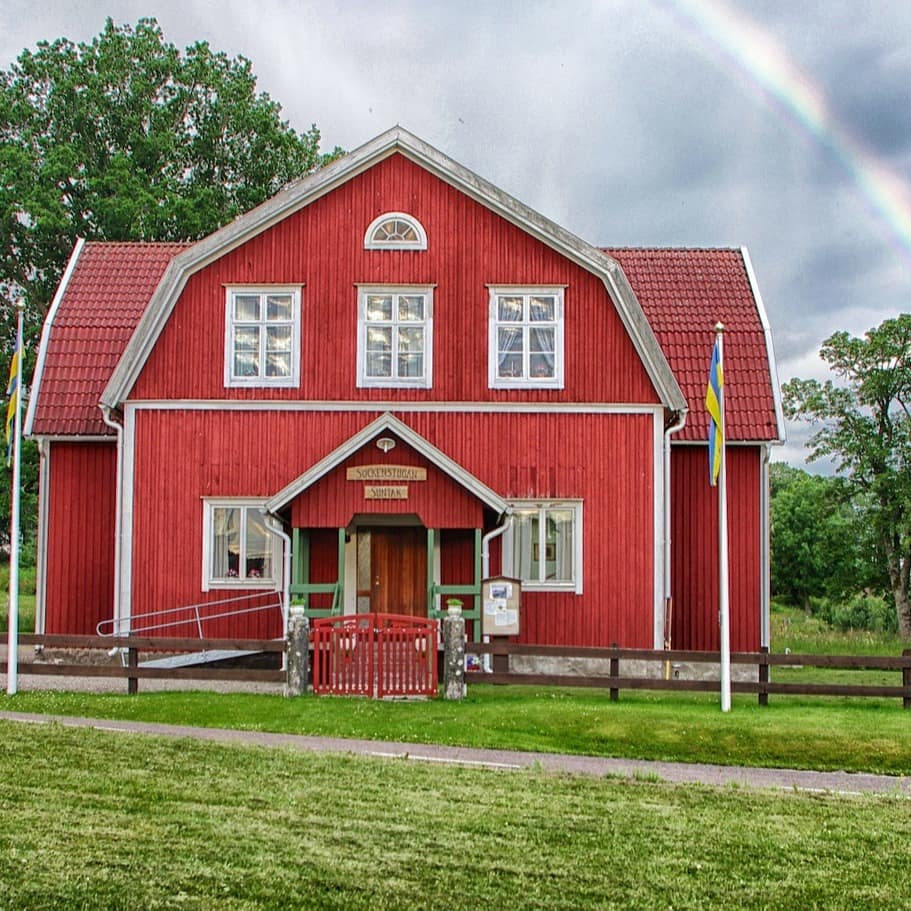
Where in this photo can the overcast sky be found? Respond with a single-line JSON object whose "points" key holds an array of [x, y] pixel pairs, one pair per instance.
{"points": [[777, 125]]}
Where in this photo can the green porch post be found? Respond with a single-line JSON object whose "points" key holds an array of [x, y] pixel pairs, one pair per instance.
{"points": [[478, 544], [340, 607], [431, 543], [300, 562]]}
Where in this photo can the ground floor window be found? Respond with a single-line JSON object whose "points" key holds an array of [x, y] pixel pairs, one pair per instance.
{"points": [[544, 546], [238, 547]]}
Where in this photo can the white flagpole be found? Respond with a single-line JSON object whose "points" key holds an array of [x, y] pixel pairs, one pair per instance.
{"points": [[12, 657], [723, 604]]}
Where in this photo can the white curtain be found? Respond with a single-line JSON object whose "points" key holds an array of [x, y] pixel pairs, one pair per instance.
{"points": [[524, 544], [560, 532], [259, 546], [225, 542]]}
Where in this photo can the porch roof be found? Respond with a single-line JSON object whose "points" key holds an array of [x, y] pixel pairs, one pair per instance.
{"points": [[388, 423]]}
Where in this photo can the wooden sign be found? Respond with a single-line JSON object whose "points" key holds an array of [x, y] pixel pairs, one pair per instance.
{"points": [[386, 473], [385, 492]]}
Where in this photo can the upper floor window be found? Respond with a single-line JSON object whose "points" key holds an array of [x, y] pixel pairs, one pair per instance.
{"points": [[262, 337], [395, 231], [526, 338], [395, 336]]}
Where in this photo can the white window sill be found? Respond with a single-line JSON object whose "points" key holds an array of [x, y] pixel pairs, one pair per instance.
{"points": [[393, 384], [258, 383], [245, 584], [550, 587], [526, 384]]}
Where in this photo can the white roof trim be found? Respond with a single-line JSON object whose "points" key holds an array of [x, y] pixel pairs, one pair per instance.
{"points": [[46, 336], [75, 438], [306, 190], [388, 423], [770, 351]]}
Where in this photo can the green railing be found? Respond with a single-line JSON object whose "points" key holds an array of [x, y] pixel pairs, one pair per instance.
{"points": [[462, 592], [302, 589]]}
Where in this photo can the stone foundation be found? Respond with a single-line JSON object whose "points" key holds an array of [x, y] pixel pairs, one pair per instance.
{"points": [[600, 667]]}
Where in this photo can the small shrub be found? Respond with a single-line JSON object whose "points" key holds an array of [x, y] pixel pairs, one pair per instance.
{"points": [[27, 575], [863, 611]]}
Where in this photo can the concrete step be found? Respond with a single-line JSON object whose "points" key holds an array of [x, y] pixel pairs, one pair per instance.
{"points": [[189, 659]]}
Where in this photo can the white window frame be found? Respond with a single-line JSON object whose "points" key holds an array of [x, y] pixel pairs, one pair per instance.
{"points": [[373, 243], [245, 504], [381, 382], [495, 381], [542, 506], [259, 381]]}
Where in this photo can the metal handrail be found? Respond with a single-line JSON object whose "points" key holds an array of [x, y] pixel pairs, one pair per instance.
{"points": [[128, 625]]}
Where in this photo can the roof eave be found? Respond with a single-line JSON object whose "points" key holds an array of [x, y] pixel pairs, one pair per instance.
{"points": [[38, 375], [770, 350]]}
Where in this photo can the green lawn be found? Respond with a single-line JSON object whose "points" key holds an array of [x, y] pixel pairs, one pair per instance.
{"points": [[858, 735], [102, 820]]}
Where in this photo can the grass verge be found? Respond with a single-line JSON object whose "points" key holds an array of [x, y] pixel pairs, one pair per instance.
{"points": [[856, 735], [801, 633], [100, 820], [26, 597]]}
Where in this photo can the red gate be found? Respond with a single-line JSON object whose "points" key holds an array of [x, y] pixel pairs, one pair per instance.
{"points": [[375, 655]]}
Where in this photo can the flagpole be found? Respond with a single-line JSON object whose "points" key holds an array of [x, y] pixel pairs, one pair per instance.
{"points": [[723, 594], [12, 657]]}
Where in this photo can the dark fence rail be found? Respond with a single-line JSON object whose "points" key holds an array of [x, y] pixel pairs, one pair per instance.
{"points": [[500, 651], [762, 686], [133, 672]]}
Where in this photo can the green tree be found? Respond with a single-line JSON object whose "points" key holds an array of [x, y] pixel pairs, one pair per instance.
{"points": [[865, 426], [127, 138], [819, 543]]}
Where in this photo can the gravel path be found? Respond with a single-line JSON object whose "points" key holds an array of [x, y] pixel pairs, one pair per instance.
{"points": [[675, 772]]}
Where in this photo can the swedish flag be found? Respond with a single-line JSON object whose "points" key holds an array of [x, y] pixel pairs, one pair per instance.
{"points": [[12, 390], [714, 396]]}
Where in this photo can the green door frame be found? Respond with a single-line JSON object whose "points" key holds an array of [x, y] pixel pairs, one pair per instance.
{"points": [[302, 588]]}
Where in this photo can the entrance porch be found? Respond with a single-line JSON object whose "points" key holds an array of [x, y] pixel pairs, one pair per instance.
{"points": [[385, 564]]}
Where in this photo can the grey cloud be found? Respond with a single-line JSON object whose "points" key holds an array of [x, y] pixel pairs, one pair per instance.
{"points": [[620, 119]]}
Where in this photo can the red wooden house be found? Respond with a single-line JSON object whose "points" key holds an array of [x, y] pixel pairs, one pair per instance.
{"points": [[385, 383]]}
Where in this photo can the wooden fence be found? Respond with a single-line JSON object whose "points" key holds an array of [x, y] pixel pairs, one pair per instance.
{"points": [[500, 650], [665, 661], [133, 672]]}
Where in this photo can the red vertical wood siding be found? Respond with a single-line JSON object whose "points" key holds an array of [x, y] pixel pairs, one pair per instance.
{"points": [[321, 247], [694, 548], [604, 460], [80, 549], [323, 563], [457, 557]]}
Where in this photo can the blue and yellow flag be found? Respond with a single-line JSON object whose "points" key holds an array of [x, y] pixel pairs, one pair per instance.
{"points": [[713, 399], [12, 390]]}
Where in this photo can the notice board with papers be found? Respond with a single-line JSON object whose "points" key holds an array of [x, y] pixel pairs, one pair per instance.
{"points": [[501, 599]]}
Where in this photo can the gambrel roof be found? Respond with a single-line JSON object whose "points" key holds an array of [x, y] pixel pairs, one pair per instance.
{"points": [[684, 293], [115, 299], [104, 292], [308, 189]]}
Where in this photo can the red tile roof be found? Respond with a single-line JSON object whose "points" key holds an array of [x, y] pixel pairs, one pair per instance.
{"points": [[684, 293], [107, 293]]}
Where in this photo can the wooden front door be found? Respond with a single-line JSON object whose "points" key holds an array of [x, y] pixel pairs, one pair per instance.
{"points": [[392, 570]]}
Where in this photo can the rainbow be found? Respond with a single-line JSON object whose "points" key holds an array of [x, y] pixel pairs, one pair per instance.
{"points": [[755, 52]]}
